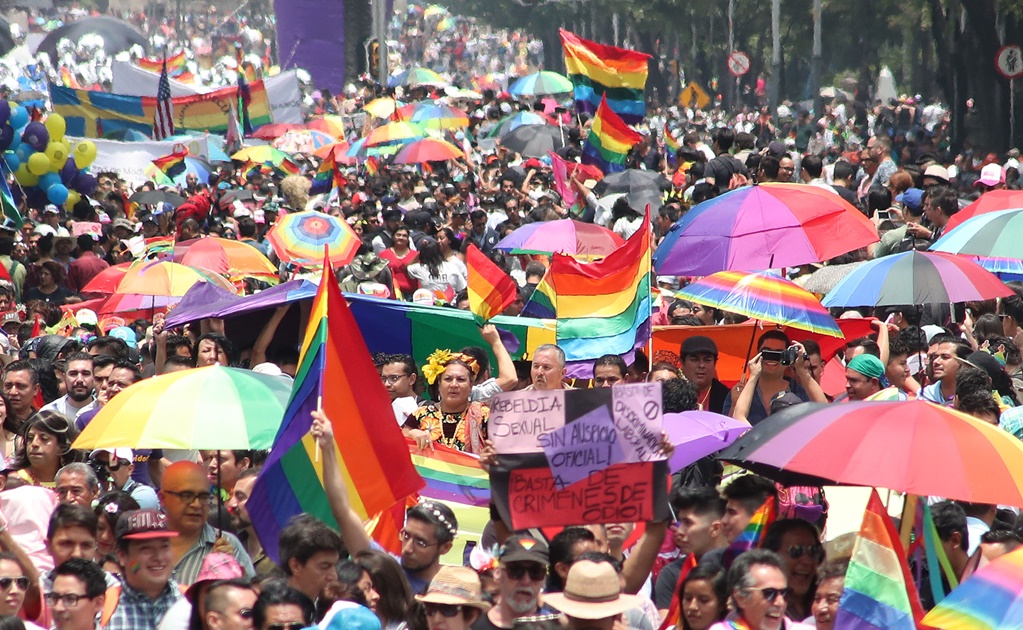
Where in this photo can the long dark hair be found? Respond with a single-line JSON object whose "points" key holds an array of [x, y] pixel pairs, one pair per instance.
{"points": [[715, 576], [396, 602], [430, 256], [56, 425]]}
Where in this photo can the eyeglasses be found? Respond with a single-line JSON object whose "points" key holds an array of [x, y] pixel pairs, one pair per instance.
{"points": [[770, 594], [391, 380], [422, 543], [516, 570], [21, 582], [187, 497], [446, 610], [116, 464], [798, 551], [291, 625], [70, 599]]}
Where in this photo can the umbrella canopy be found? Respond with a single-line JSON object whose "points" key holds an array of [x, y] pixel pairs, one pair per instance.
{"points": [[166, 278], [992, 201], [914, 447], [126, 135], [824, 279], [765, 297], [271, 131], [565, 236], [435, 116], [428, 150], [540, 83], [416, 76], [762, 227], [174, 411], [393, 134], [301, 237], [992, 598], [339, 151], [153, 197], [303, 141], [106, 281], [178, 173], [329, 124], [226, 257], [263, 154], [632, 181], [533, 140], [697, 434], [512, 122], [989, 235], [381, 107], [916, 278], [117, 35]]}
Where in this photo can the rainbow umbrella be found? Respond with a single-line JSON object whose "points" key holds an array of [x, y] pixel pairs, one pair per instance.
{"points": [[762, 227], [916, 278], [167, 279], [227, 257], [428, 150], [431, 116], [992, 201], [300, 237], [992, 598], [541, 83], [765, 297], [329, 124], [174, 411], [991, 239], [303, 141], [416, 76], [565, 236], [339, 151], [271, 131], [394, 134], [263, 154], [914, 447]]}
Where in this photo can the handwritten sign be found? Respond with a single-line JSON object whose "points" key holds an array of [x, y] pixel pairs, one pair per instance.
{"points": [[581, 448], [519, 420]]}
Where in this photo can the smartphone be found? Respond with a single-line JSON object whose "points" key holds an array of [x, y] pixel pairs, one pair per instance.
{"points": [[884, 215]]}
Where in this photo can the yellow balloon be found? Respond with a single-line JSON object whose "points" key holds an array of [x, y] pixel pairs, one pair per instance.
{"points": [[57, 155], [38, 164], [25, 177], [72, 198], [56, 125], [85, 153]]}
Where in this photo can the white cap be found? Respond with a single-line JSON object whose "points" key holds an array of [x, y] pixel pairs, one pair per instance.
{"points": [[86, 317], [120, 453]]}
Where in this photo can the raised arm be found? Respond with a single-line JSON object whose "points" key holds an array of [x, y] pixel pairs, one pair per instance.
{"points": [[352, 531]]}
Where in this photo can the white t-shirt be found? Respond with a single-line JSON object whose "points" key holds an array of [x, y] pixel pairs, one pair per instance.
{"points": [[449, 276]]}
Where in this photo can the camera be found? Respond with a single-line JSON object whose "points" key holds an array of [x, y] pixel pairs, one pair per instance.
{"points": [[787, 356]]}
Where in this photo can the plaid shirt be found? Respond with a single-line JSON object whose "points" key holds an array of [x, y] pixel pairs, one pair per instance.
{"points": [[135, 611]]}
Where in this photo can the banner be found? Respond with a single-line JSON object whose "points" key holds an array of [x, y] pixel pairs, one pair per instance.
{"points": [[130, 159], [94, 114], [285, 96], [311, 35], [131, 80], [571, 457]]}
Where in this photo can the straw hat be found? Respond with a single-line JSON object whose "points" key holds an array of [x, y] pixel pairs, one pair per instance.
{"points": [[592, 591], [459, 586]]}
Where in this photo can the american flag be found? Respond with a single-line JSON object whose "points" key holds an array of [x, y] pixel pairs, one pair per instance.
{"points": [[163, 119]]}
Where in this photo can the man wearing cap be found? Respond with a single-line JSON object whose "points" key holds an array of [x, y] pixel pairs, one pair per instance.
{"points": [[119, 464], [219, 593], [863, 377], [78, 382], [593, 598], [453, 601], [147, 592], [87, 266], [699, 356], [520, 576], [912, 201]]}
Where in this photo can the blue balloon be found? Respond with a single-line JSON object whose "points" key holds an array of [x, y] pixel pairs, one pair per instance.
{"points": [[57, 194], [15, 139], [24, 151], [49, 180], [12, 159], [19, 117]]}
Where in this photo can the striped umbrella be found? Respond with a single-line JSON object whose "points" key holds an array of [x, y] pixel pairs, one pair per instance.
{"points": [[433, 116], [991, 201], [992, 598], [417, 76], [992, 239], [765, 297], [394, 134], [381, 107], [428, 150], [541, 83]]}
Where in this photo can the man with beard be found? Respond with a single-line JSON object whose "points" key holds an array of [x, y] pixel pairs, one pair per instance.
{"points": [[78, 381], [699, 356], [520, 577], [241, 522]]}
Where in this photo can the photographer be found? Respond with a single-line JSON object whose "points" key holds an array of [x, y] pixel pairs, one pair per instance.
{"points": [[114, 467], [752, 401]]}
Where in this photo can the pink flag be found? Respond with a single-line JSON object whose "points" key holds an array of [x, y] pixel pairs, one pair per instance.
{"points": [[561, 183]]}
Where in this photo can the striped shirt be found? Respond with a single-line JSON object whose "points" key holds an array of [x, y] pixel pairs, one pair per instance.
{"points": [[187, 569]]}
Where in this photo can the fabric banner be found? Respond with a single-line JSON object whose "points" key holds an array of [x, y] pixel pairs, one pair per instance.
{"points": [[311, 35], [131, 80], [285, 97], [95, 114], [130, 159]]}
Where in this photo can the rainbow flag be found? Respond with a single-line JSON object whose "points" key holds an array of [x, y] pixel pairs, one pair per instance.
{"points": [[603, 307], [926, 540], [541, 304], [600, 71], [159, 247], [171, 165], [559, 168], [609, 141], [491, 290], [669, 140], [674, 616], [451, 476], [879, 591], [753, 534], [372, 166], [175, 64], [372, 453], [68, 79], [327, 177]]}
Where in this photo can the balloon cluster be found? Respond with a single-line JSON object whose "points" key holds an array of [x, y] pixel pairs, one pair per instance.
{"points": [[44, 162]]}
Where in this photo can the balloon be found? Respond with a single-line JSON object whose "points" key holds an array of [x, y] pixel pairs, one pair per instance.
{"points": [[48, 180], [36, 136], [5, 111], [86, 183], [12, 159], [19, 117], [85, 153], [26, 177], [24, 152], [57, 194], [6, 137], [57, 155], [15, 139], [69, 172], [56, 125], [72, 198], [38, 163]]}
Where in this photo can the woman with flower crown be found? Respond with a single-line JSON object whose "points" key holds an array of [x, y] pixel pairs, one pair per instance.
{"points": [[453, 420]]}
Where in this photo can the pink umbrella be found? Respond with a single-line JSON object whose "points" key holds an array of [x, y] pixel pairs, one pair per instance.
{"points": [[565, 236]]}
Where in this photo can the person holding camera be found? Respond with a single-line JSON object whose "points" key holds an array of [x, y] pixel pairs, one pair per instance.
{"points": [[751, 401], [116, 465]]}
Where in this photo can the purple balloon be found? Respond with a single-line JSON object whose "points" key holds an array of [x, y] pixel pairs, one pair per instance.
{"points": [[86, 183], [36, 136], [5, 112], [68, 173], [6, 136]]}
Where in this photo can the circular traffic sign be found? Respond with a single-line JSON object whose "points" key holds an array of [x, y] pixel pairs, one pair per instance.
{"points": [[1009, 62], [738, 63]]}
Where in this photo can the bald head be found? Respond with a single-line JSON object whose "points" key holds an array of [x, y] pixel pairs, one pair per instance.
{"points": [[185, 497], [182, 472]]}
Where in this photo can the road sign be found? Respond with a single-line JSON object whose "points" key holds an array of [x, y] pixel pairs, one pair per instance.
{"points": [[1009, 62], [738, 63], [694, 97]]}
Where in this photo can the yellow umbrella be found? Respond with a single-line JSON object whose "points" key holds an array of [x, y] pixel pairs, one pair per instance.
{"points": [[381, 107], [165, 278]]}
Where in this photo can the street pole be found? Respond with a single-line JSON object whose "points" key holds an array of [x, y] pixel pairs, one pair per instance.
{"points": [[380, 29], [815, 66], [734, 83], [774, 86]]}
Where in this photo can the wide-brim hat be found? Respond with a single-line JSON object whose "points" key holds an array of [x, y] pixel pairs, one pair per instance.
{"points": [[457, 586], [592, 591]]}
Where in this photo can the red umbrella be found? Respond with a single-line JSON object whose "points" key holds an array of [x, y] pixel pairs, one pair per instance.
{"points": [[988, 202], [428, 150], [274, 130], [106, 281], [338, 150]]}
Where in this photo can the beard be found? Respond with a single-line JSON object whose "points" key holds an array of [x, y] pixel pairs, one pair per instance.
{"points": [[520, 607]]}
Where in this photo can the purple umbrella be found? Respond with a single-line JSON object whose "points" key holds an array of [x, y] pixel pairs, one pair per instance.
{"points": [[697, 434], [565, 236]]}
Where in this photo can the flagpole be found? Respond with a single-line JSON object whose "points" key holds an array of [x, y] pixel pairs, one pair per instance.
{"points": [[650, 259]]}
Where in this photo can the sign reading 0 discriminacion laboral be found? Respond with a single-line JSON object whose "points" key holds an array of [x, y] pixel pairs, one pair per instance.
{"points": [[572, 457]]}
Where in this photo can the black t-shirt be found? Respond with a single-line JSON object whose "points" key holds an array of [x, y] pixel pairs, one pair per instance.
{"points": [[722, 168], [58, 297], [664, 589]]}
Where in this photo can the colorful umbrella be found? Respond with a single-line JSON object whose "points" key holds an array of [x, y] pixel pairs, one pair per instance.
{"points": [[914, 447], [174, 411], [428, 150], [394, 134], [988, 235], [764, 297], [263, 154], [992, 201], [540, 83], [271, 131], [565, 236], [762, 227], [175, 168], [303, 141], [339, 151], [433, 116], [106, 281], [991, 598], [916, 278], [329, 124], [301, 236], [697, 434], [226, 257], [416, 76], [381, 107], [165, 278]]}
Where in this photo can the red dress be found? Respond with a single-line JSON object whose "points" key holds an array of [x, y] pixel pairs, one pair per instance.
{"points": [[399, 270]]}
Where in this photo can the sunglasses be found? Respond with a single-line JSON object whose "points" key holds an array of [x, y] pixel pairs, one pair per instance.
{"points": [[446, 610], [22, 582], [291, 625], [770, 594], [517, 570], [798, 551]]}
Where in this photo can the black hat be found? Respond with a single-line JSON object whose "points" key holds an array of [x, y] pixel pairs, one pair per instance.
{"points": [[523, 548], [697, 345]]}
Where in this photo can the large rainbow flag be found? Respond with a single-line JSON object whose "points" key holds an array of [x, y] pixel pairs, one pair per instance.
{"points": [[490, 289], [603, 307], [599, 71], [879, 591], [753, 534], [451, 475], [609, 141], [96, 114], [175, 64], [335, 368]]}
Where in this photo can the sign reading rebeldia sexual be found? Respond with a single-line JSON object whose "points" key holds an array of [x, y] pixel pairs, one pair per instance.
{"points": [[578, 456]]}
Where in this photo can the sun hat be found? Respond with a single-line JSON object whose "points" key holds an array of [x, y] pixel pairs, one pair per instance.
{"points": [[216, 566], [458, 586], [592, 591]]}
